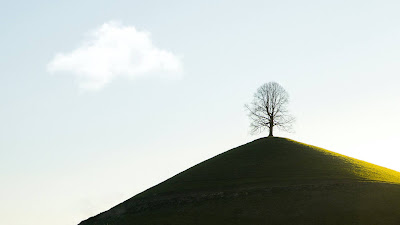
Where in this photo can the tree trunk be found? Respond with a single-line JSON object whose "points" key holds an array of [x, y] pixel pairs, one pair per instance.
{"points": [[270, 131]]}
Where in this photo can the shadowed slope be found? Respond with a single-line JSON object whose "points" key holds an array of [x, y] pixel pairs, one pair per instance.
{"points": [[268, 180]]}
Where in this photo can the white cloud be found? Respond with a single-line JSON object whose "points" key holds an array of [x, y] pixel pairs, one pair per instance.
{"points": [[114, 50]]}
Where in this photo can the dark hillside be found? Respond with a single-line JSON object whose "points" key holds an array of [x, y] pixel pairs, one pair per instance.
{"points": [[268, 181]]}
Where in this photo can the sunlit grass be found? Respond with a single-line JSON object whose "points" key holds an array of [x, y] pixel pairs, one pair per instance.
{"points": [[365, 170]]}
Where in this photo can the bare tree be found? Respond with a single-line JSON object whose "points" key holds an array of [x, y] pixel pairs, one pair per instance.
{"points": [[269, 109]]}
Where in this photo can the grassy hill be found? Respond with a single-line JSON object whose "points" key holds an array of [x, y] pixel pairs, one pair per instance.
{"points": [[267, 181]]}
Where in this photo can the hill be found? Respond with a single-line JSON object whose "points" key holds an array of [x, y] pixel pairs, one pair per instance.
{"points": [[267, 181]]}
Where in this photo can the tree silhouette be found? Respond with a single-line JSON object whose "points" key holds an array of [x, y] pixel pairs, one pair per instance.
{"points": [[269, 109]]}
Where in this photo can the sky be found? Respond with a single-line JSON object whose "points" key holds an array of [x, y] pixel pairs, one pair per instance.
{"points": [[100, 100]]}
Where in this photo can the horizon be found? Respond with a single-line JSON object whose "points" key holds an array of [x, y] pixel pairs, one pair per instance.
{"points": [[92, 91]]}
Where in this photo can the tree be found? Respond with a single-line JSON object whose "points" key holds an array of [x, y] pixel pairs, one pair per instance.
{"points": [[269, 109]]}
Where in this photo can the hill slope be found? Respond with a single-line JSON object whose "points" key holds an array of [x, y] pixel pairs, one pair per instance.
{"points": [[267, 181]]}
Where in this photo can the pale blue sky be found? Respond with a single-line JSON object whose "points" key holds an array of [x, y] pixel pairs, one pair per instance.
{"points": [[67, 153]]}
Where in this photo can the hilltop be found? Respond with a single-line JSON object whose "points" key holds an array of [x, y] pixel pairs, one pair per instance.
{"points": [[267, 181]]}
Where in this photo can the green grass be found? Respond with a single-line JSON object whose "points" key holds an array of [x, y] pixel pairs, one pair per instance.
{"points": [[268, 181]]}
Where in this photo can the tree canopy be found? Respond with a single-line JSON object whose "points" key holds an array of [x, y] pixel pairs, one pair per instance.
{"points": [[269, 109]]}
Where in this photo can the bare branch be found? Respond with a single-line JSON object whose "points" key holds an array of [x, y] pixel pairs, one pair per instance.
{"points": [[269, 109]]}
